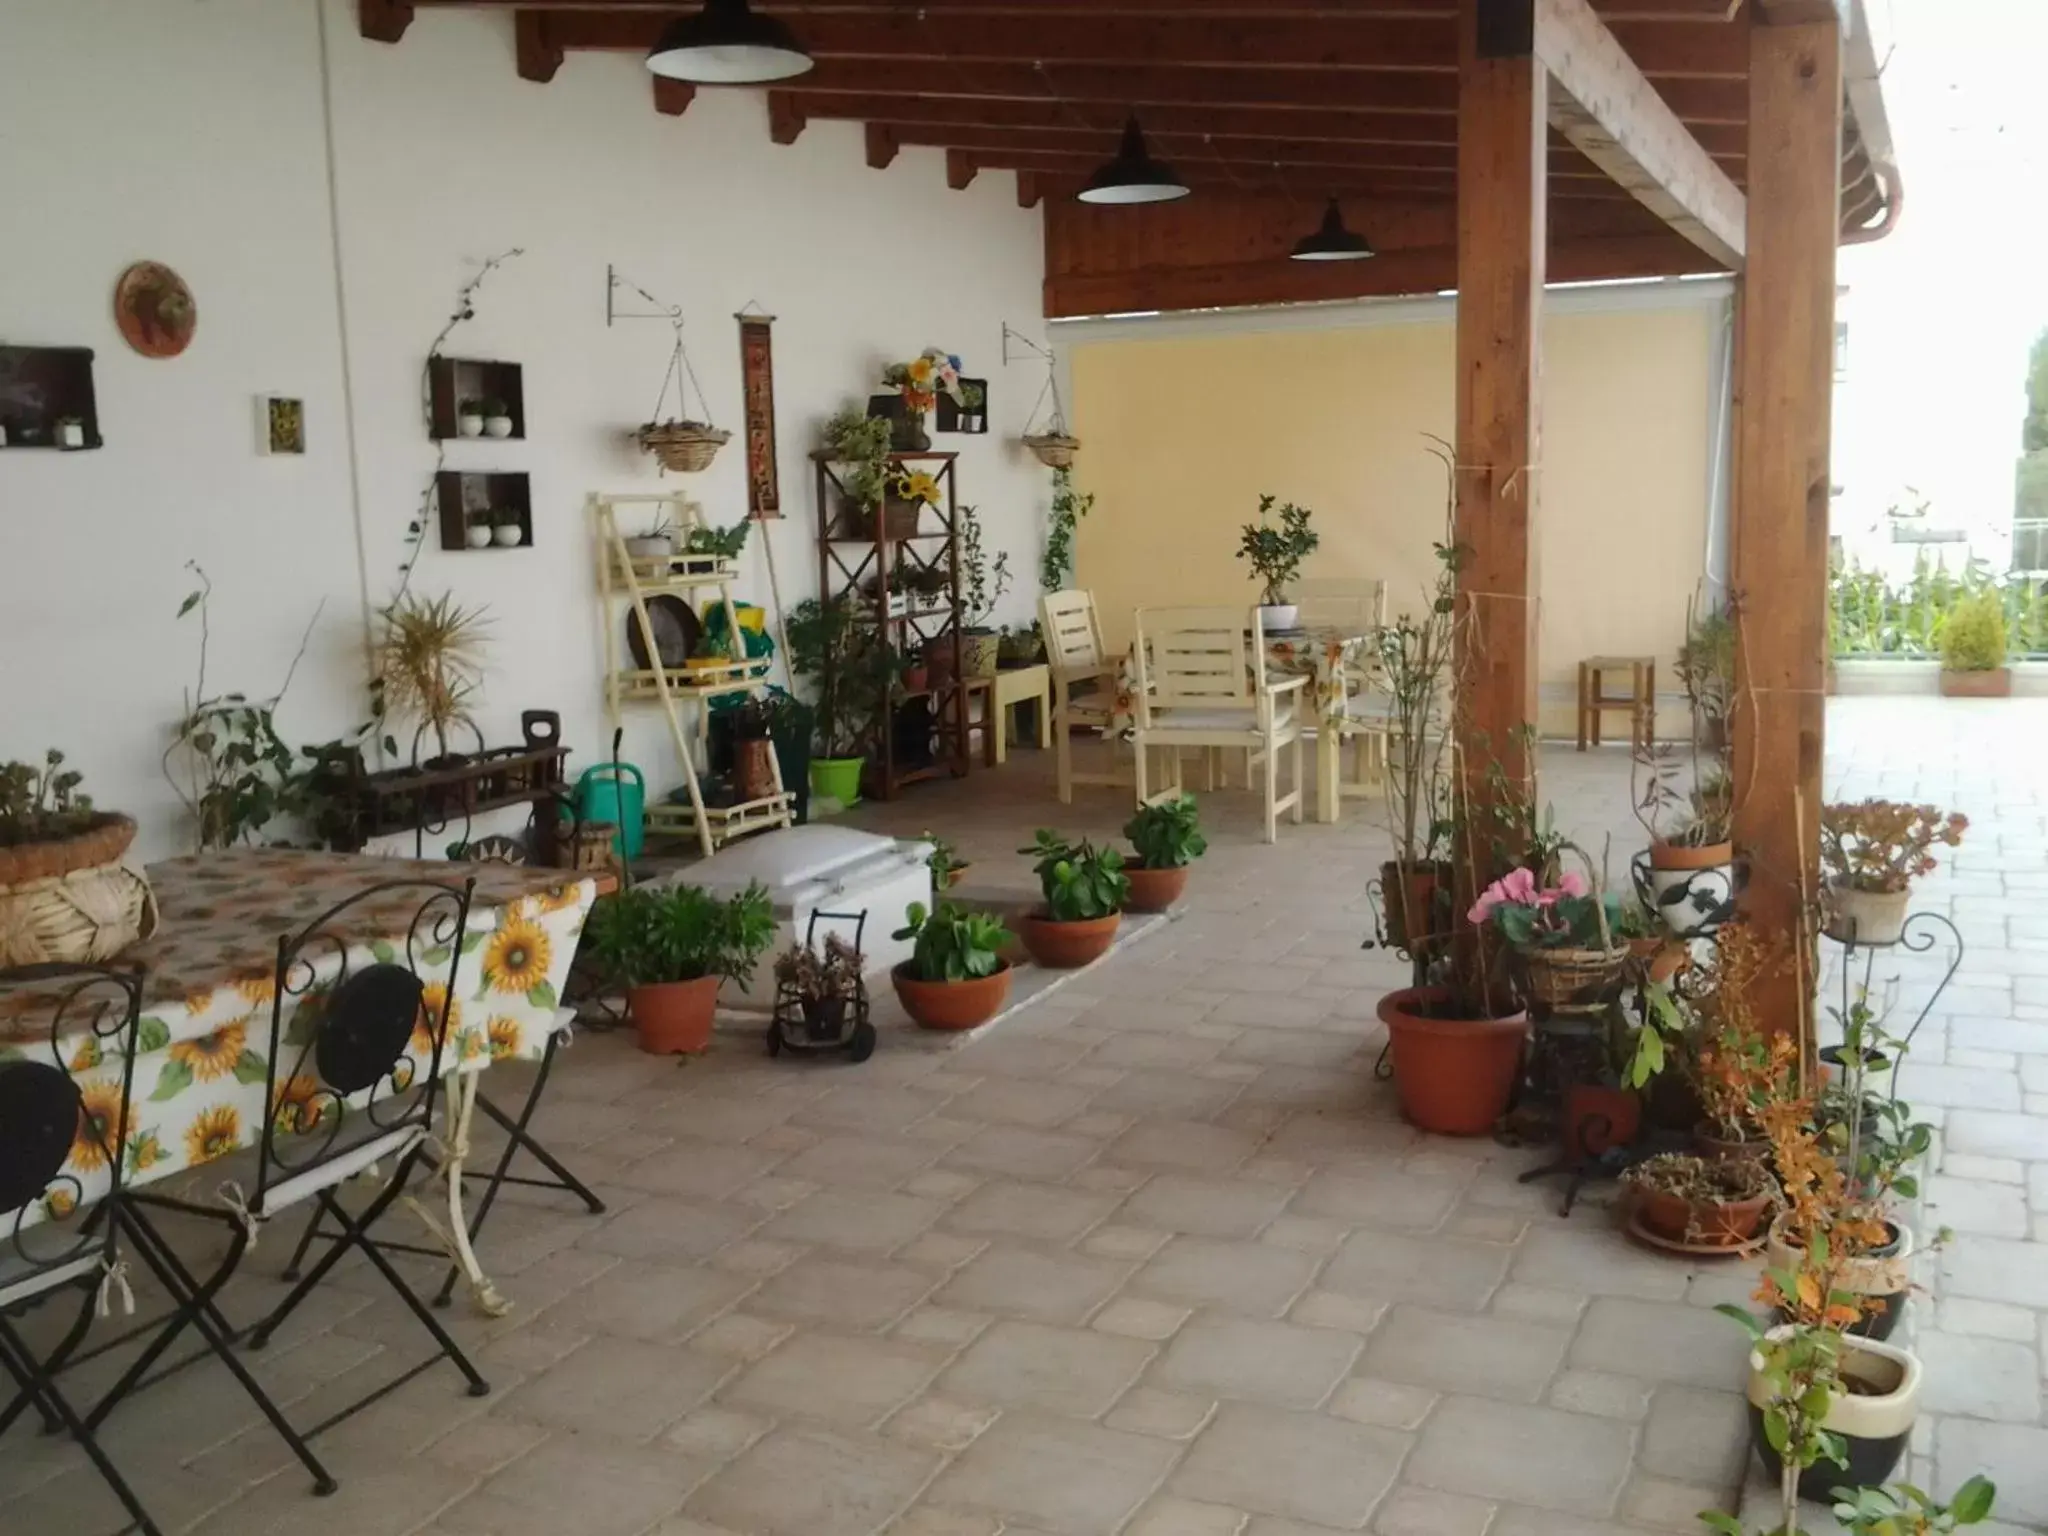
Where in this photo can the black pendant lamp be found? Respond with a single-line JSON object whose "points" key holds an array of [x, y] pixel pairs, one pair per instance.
{"points": [[1333, 241], [727, 44], [1134, 176]]}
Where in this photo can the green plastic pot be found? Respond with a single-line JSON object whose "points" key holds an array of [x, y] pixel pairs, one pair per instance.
{"points": [[837, 778]]}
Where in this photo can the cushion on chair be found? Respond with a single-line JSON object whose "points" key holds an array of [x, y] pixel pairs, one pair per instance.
{"points": [[289, 1191], [20, 1283]]}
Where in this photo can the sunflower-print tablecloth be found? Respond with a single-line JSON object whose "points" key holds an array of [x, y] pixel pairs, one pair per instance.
{"points": [[201, 1067]]}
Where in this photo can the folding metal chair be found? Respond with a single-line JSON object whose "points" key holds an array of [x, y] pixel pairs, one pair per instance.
{"points": [[61, 1127]]}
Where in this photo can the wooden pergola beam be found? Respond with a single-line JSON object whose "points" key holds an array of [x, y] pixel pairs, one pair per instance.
{"points": [[786, 119], [672, 98], [1502, 208], [1785, 347], [960, 169], [1343, 43], [537, 53], [881, 146], [1605, 105], [1725, 141], [1628, 10], [1307, 185], [383, 21]]}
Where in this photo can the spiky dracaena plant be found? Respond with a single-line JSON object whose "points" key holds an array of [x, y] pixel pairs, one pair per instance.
{"points": [[430, 657]]}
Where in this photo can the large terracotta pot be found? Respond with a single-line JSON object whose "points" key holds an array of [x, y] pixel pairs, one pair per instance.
{"points": [[1154, 890], [1708, 1223], [1994, 684], [1455, 1076], [1597, 1118], [674, 1017], [951, 1004], [1063, 946]]}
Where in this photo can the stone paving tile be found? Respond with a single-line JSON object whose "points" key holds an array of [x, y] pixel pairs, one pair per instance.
{"points": [[1062, 1370], [1568, 1462], [1066, 1475], [1232, 1357], [1296, 1465], [811, 1481], [1453, 1352]]}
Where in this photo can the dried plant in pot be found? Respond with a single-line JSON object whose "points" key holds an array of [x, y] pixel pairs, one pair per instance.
{"points": [[1685, 794], [956, 977], [1167, 838], [1700, 1203], [1736, 1067], [1085, 890], [1871, 852], [821, 1000]]}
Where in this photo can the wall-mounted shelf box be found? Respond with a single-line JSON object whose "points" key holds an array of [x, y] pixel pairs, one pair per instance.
{"points": [[458, 493], [452, 380], [40, 386]]}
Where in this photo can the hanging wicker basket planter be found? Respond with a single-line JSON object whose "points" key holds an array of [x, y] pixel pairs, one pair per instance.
{"points": [[684, 446], [1560, 978], [71, 900], [1055, 450]]}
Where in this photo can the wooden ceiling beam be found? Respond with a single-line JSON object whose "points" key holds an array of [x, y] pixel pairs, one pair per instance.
{"points": [[1613, 115], [1306, 184], [960, 169], [1727, 142], [383, 21], [534, 47], [1028, 189], [672, 98], [881, 145], [1367, 44], [786, 118], [798, 10]]}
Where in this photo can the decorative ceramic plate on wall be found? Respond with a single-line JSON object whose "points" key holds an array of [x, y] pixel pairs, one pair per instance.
{"points": [[155, 310]]}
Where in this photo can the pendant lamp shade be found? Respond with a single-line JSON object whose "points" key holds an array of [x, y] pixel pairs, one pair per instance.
{"points": [[1333, 241], [725, 43], [1134, 176]]}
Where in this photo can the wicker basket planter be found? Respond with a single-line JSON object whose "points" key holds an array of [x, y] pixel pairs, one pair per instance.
{"points": [[72, 900], [684, 446], [1055, 450], [1562, 977]]}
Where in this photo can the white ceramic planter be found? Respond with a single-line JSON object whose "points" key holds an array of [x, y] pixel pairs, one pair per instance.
{"points": [[71, 435], [1866, 917], [1874, 1425], [508, 535], [498, 426], [479, 535], [1691, 890], [1279, 616], [650, 547], [469, 426]]}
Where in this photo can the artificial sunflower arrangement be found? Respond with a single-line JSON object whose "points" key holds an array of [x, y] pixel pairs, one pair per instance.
{"points": [[915, 485], [921, 380]]}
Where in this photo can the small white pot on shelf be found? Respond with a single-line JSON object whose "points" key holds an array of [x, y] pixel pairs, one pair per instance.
{"points": [[469, 424], [70, 434], [478, 535], [1279, 616], [498, 426], [508, 536]]}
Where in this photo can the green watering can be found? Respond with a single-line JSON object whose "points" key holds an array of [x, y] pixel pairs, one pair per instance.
{"points": [[615, 792]]}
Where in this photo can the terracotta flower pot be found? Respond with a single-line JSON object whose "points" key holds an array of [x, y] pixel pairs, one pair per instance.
{"points": [[1154, 890], [1707, 1142], [1661, 958], [1715, 1223], [674, 1016], [1454, 1075], [1063, 946], [951, 1004], [1993, 684], [1409, 895], [1597, 1118]]}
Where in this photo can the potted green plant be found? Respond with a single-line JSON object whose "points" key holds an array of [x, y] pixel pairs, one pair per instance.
{"points": [[1973, 647], [469, 418], [497, 417], [947, 867], [1167, 837], [657, 543], [956, 976], [973, 414], [723, 544], [507, 532], [1903, 1510], [669, 949], [1871, 852], [1691, 879], [859, 445], [60, 859], [826, 643], [1069, 506], [984, 580], [1414, 654], [1085, 890], [680, 443], [70, 432], [1275, 556], [477, 527]]}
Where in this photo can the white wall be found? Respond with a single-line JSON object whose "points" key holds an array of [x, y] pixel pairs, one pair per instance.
{"points": [[203, 146]]}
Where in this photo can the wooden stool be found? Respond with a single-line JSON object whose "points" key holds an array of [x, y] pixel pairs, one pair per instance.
{"points": [[1640, 701], [989, 720], [1020, 685]]}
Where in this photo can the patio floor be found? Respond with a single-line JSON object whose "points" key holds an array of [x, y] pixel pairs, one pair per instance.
{"points": [[1157, 1257]]}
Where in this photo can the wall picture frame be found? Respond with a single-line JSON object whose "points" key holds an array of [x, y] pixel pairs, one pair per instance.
{"points": [[280, 426]]}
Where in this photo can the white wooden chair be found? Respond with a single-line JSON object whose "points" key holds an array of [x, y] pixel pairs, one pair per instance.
{"points": [[1358, 605], [1084, 678], [1202, 683]]}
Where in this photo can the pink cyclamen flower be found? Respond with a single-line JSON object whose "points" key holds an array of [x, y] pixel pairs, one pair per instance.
{"points": [[1516, 888]]}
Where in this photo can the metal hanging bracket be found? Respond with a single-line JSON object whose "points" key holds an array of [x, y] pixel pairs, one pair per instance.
{"points": [[613, 282]]}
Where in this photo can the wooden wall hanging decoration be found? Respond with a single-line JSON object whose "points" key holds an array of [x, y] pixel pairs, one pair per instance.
{"points": [[154, 310], [757, 387]]}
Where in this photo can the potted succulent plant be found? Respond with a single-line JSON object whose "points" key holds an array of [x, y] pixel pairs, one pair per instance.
{"points": [[476, 532], [497, 417], [1973, 647], [670, 948], [1275, 556], [1871, 852], [70, 432], [64, 893], [947, 867], [1085, 890], [507, 532], [956, 976], [1691, 879], [469, 418], [1167, 837], [1698, 1202]]}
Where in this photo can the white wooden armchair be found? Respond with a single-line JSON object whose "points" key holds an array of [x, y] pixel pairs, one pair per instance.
{"points": [[1084, 680], [1202, 683]]}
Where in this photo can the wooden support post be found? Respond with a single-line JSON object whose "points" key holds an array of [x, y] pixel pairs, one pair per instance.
{"points": [[1779, 537], [1028, 189], [960, 169], [1503, 134], [534, 46], [881, 144], [786, 119], [383, 21], [672, 98]]}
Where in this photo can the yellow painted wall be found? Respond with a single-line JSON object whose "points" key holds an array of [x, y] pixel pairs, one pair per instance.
{"points": [[1184, 431]]}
